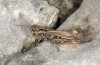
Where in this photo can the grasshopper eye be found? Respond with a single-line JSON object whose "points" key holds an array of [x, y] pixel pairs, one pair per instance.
{"points": [[32, 29]]}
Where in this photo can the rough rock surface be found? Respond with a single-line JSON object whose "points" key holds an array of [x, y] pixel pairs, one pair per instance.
{"points": [[88, 53], [46, 54], [66, 7], [16, 16]]}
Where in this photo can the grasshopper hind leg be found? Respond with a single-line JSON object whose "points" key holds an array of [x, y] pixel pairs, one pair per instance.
{"points": [[39, 39]]}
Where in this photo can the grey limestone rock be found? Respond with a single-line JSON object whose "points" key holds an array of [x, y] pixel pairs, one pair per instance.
{"points": [[86, 17], [36, 56], [16, 17]]}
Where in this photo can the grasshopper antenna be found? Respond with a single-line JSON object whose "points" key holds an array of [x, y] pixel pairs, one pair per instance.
{"points": [[22, 25], [22, 19]]}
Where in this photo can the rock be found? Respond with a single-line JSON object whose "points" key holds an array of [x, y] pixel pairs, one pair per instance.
{"points": [[62, 5], [88, 53], [66, 8], [15, 19], [39, 55]]}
